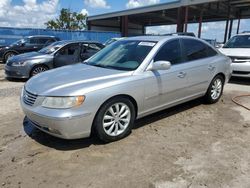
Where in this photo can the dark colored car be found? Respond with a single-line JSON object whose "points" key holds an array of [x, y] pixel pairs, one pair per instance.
{"points": [[58, 54], [27, 44]]}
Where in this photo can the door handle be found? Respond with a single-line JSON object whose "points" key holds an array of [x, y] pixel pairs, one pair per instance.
{"points": [[182, 74], [211, 67]]}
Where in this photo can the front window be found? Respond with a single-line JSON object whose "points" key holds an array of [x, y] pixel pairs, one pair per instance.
{"points": [[52, 48], [122, 55], [241, 41]]}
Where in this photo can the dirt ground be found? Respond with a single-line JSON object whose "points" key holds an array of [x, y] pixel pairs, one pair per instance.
{"points": [[189, 146]]}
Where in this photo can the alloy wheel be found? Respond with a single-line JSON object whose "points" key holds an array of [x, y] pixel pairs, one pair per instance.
{"points": [[216, 89], [116, 119], [38, 70]]}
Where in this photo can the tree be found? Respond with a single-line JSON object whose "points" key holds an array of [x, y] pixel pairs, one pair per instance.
{"points": [[68, 20]]}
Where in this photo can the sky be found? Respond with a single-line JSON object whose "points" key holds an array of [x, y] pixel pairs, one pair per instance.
{"points": [[34, 13]]}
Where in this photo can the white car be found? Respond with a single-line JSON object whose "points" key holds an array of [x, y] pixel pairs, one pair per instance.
{"points": [[238, 49]]}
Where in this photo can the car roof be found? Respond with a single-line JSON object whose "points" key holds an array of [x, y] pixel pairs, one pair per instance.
{"points": [[159, 38], [77, 41], [42, 36]]}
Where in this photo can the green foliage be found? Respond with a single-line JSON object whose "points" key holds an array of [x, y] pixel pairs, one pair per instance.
{"points": [[68, 20]]}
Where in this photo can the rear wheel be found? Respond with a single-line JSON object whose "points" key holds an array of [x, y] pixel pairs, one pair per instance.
{"points": [[115, 119], [215, 89], [38, 69], [8, 55]]}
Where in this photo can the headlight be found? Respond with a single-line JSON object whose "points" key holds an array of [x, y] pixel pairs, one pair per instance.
{"points": [[20, 63], [63, 102]]}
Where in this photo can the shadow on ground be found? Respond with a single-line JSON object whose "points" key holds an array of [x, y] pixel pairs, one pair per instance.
{"points": [[64, 145], [241, 81]]}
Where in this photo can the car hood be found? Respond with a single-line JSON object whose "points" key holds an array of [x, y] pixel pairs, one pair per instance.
{"points": [[29, 56], [238, 52], [74, 80]]}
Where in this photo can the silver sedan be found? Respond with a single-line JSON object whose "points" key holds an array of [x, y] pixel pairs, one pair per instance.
{"points": [[127, 80]]}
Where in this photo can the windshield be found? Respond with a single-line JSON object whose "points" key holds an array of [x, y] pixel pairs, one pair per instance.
{"points": [[52, 48], [122, 55], [240, 41]]}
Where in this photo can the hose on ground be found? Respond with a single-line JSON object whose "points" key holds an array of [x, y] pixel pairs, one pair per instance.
{"points": [[234, 99]]}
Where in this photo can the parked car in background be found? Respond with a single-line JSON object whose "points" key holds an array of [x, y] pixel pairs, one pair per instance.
{"points": [[112, 40], [27, 44], [127, 80], [238, 49], [58, 54]]}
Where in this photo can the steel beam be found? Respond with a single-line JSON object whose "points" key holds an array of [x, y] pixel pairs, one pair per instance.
{"points": [[238, 26], [186, 19], [200, 24], [179, 20], [230, 29]]}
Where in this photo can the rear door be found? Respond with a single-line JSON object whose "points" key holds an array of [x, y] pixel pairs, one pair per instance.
{"points": [[30, 45], [201, 64], [67, 55]]}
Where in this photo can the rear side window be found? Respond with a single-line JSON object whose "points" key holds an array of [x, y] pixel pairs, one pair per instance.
{"points": [[43, 40], [194, 50], [33, 40], [171, 51]]}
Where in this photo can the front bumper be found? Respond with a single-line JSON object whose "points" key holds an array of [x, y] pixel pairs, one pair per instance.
{"points": [[60, 123], [241, 69], [16, 72]]}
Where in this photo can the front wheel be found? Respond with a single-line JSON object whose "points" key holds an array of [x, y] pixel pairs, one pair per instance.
{"points": [[215, 90], [38, 69], [115, 119]]}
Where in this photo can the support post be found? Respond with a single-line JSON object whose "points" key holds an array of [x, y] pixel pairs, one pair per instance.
{"points": [[230, 28], [238, 26], [200, 24], [143, 30], [186, 19], [226, 31], [179, 20], [227, 22], [124, 26], [89, 25]]}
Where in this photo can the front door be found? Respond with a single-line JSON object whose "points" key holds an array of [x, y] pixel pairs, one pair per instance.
{"points": [[165, 87], [68, 55]]}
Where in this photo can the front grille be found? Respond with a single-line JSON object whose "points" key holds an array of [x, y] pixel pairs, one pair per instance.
{"points": [[236, 59], [29, 98]]}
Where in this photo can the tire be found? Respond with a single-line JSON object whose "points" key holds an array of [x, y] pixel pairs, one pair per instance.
{"points": [[108, 125], [215, 90], [8, 55], [38, 69]]}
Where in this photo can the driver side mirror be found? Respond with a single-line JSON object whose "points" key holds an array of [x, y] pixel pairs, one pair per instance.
{"points": [[159, 65]]}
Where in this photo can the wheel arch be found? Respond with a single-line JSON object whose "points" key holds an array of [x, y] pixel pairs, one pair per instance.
{"points": [[113, 97], [8, 51], [36, 65], [221, 74]]}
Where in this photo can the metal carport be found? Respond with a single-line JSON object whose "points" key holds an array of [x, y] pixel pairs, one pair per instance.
{"points": [[181, 12]]}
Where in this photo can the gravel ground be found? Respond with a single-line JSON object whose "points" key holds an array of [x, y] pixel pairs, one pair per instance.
{"points": [[189, 146]]}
